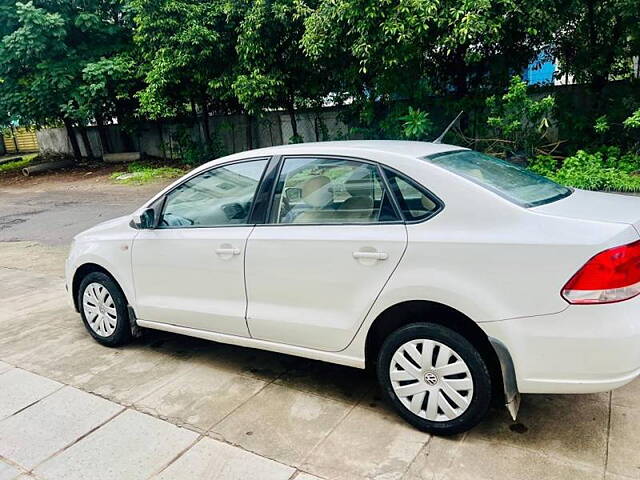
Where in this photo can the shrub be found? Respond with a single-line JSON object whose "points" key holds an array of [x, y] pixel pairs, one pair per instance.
{"points": [[520, 121], [544, 165], [605, 169]]}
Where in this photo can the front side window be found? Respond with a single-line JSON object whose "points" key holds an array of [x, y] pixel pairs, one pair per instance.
{"points": [[330, 191], [512, 182], [222, 196]]}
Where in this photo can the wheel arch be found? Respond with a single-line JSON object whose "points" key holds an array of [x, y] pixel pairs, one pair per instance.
{"points": [[84, 270], [413, 311]]}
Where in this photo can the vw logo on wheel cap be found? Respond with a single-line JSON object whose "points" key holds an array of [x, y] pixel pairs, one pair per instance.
{"points": [[430, 378]]}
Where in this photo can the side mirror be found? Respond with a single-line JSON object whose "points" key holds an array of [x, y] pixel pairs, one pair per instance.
{"points": [[143, 220]]}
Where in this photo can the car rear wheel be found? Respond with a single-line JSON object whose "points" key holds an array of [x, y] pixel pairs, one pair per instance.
{"points": [[103, 308], [435, 378]]}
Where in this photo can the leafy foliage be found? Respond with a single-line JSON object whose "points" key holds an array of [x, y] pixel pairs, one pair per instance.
{"points": [[520, 119], [606, 169], [633, 121], [416, 124]]}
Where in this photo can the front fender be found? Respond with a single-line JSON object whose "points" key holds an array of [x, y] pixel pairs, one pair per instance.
{"points": [[114, 256]]}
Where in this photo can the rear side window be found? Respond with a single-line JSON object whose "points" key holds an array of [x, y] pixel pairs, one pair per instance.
{"points": [[318, 190], [413, 201], [510, 181]]}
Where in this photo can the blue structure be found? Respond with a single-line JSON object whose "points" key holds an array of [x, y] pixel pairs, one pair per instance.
{"points": [[540, 71]]}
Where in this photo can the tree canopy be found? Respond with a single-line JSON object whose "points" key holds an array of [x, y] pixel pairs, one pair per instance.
{"points": [[80, 62]]}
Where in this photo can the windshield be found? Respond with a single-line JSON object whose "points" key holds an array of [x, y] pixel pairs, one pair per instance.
{"points": [[508, 180]]}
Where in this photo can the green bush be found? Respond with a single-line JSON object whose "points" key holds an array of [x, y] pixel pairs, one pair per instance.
{"points": [[519, 120], [605, 169], [544, 165]]}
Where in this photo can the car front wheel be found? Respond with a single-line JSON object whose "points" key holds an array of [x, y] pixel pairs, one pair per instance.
{"points": [[435, 378], [103, 308]]}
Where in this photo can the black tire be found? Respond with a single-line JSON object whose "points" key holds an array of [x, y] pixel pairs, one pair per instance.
{"points": [[122, 332], [480, 399]]}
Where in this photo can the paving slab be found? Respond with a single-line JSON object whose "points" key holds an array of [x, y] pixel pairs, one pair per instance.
{"points": [[211, 459], [627, 396], [132, 446], [613, 476], [624, 442], [542, 426], [7, 471], [456, 458], [306, 476], [367, 444], [336, 382], [36, 433], [281, 423], [135, 374], [251, 362], [200, 397], [21, 388], [34, 257]]}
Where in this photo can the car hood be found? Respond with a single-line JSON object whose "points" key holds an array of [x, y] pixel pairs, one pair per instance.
{"points": [[113, 225], [596, 206]]}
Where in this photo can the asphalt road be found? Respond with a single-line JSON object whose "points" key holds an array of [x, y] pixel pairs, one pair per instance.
{"points": [[52, 214]]}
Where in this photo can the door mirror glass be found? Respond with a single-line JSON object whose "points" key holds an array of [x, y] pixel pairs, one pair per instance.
{"points": [[144, 220]]}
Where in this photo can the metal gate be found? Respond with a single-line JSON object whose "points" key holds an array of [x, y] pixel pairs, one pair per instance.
{"points": [[19, 140]]}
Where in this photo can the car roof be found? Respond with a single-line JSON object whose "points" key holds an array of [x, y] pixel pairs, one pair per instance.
{"points": [[399, 147]]}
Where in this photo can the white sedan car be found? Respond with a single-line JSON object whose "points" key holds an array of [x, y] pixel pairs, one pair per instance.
{"points": [[459, 277]]}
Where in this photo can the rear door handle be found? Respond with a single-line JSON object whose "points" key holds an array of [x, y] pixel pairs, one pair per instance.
{"points": [[371, 255], [228, 251]]}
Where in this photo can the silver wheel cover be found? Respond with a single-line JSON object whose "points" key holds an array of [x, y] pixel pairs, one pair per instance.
{"points": [[99, 309], [431, 380]]}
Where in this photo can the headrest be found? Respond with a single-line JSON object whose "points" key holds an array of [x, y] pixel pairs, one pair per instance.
{"points": [[317, 191], [359, 183]]}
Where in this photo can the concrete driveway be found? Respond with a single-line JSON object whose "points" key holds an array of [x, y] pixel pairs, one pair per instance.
{"points": [[174, 407]]}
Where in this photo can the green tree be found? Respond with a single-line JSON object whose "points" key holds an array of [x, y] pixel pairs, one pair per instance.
{"points": [[44, 50], [273, 70], [188, 47], [412, 50], [596, 41], [520, 121]]}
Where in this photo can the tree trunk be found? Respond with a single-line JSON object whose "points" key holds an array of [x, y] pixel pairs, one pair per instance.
{"points": [[87, 144], [205, 122], [292, 115], [127, 141], [104, 139], [163, 145], [68, 125], [249, 130]]}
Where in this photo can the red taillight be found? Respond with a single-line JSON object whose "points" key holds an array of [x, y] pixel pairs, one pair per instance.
{"points": [[610, 276]]}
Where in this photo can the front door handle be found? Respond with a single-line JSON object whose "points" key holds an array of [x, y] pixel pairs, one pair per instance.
{"points": [[228, 251], [371, 255]]}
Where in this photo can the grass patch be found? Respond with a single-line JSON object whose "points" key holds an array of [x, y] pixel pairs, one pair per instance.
{"points": [[17, 165], [138, 174]]}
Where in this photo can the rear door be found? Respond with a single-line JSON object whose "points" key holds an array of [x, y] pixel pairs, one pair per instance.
{"points": [[332, 240]]}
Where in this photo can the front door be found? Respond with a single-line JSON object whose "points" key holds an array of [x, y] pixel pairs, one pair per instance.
{"points": [[189, 271], [331, 243]]}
